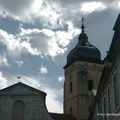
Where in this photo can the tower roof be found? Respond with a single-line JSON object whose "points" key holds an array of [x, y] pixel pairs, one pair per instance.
{"points": [[84, 51]]}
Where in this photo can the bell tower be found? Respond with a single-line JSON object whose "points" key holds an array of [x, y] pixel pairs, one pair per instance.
{"points": [[82, 74]]}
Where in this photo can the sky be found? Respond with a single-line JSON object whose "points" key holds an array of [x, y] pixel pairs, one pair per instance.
{"points": [[37, 35]]}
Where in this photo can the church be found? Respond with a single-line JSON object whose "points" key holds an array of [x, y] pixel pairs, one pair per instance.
{"points": [[82, 74]]}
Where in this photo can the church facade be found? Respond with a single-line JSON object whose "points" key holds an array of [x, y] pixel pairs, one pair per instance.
{"points": [[22, 102]]}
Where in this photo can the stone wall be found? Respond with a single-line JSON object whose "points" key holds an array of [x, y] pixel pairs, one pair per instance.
{"points": [[34, 104]]}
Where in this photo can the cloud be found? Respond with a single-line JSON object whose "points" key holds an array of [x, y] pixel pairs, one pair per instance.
{"points": [[48, 42], [74, 2], [15, 9], [63, 37], [44, 41], [3, 81], [15, 46], [43, 69], [3, 61], [61, 78], [39, 42], [50, 13], [30, 11], [89, 7], [52, 102], [19, 63], [118, 4], [15, 6]]}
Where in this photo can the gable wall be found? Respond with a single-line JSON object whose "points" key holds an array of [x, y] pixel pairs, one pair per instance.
{"points": [[35, 108]]}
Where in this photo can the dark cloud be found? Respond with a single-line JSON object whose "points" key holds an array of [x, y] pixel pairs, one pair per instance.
{"points": [[75, 4], [15, 6], [67, 2]]}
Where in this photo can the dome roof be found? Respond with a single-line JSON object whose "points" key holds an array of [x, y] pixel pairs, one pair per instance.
{"points": [[84, 51]]}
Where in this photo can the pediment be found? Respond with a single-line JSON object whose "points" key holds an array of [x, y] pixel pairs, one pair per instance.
{"points": [[21, 89]]}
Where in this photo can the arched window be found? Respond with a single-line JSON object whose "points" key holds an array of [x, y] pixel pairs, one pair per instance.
{"points": [[18, 110], [71, 111], [71, 87], [90, 85]]}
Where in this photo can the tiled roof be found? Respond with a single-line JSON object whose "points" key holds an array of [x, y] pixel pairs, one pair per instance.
{"points": [[58, 116]]}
